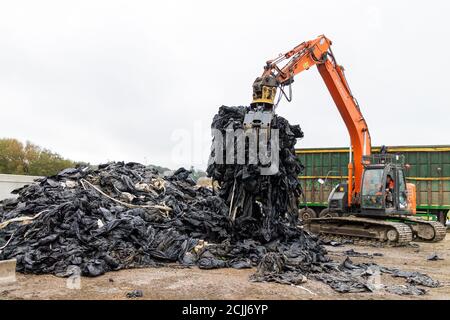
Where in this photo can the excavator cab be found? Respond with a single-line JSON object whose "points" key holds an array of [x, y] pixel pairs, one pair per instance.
{"points": [[384, 189]]}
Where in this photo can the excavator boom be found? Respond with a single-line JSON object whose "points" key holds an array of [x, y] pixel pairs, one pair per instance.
{"points": [[302, 57]]}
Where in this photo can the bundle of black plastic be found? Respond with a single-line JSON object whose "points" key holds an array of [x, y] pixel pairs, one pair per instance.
{"points": [[259, 204]]}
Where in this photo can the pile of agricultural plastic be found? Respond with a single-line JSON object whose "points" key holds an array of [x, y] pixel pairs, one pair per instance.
{"points": [[125, 215]]}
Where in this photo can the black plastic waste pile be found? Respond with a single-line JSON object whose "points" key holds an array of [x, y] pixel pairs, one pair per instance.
{"points": [[254, 198], [117, 216], [125, 215]]}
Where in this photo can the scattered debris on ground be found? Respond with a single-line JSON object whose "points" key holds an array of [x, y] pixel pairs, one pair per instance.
{"points": [[434, 257], [334, 243], [406, 290], [274, 267], [135, 294], [415, 278], [353, 253], [363, 277]]}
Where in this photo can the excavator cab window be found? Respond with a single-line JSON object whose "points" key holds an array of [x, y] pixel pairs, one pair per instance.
{"points": [[372, 192]]}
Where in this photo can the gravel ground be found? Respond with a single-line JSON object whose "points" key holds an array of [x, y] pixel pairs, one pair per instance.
{"points": [[183, 283]]}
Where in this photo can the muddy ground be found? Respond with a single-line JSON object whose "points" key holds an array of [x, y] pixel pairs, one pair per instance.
{"points": [[178, 283]]}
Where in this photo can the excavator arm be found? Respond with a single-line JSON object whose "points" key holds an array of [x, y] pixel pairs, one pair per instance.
{"points": [[279, 73]]}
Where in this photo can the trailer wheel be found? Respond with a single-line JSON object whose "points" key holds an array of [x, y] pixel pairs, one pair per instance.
{"points": [[326, 213], [306, 214]]}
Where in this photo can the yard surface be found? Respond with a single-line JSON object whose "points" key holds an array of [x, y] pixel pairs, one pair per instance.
{"points": [[193, 283]]}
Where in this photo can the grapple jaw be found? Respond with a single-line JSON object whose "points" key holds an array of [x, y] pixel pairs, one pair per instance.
{"points": [[261, 119], [263, 140]]}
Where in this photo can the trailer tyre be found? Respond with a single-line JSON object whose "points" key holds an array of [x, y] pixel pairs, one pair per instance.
{"points": [[306, 214], [326, 213]]}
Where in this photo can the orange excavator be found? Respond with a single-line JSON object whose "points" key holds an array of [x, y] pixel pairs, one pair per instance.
{"points": [[375, 202]]}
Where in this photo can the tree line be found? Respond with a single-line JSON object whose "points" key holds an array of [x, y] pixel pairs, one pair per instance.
{"points": [[30, 159]]}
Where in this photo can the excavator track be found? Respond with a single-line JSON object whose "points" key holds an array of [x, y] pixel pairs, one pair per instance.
{"points": [[396, 233], [364, 242], [426, 231]]}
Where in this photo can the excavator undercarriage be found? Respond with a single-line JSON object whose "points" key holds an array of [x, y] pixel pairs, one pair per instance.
{"points": [[399, 232]]}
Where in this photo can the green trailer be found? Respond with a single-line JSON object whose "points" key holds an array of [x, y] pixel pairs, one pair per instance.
{"points": [[429, 170]]}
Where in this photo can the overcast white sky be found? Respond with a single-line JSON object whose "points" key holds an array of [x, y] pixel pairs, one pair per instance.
{"points": [[141, 80]]}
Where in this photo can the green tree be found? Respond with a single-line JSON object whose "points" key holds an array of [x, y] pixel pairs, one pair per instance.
{"points": [[30, 159], [11, 156]]}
